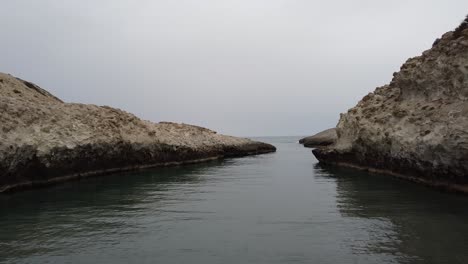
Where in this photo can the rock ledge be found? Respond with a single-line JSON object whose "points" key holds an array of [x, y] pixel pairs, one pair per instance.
{"points": [[324, 138]]}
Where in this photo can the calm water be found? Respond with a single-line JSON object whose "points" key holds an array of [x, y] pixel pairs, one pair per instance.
{"points": [[275, 208]]}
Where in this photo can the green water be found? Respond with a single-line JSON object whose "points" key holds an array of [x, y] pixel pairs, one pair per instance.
{"points": [[275, 208]]}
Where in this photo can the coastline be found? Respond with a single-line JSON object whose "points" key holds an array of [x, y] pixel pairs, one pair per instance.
{"points": [[414, 127], [103, 172], [429, 182], [47, 141]]}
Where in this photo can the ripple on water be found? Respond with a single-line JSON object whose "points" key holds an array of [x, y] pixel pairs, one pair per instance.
{"points": [[275, 208]]}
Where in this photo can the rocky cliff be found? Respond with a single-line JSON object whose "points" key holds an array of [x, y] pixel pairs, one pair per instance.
{"points": [[44, 140], [416, 127]]}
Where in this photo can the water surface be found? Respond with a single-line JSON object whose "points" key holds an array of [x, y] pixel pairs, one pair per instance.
{"points": [[274, 208]]}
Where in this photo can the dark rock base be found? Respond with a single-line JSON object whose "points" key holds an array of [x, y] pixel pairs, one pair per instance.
{"points": [[26, 169], [448, 179]]}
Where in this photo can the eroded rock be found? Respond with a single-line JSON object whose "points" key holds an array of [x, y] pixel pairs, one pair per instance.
{"points": [[44, 140], [416, 127]]}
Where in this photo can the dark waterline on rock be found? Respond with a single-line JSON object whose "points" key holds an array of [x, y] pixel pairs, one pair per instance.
{"points": [[275, 208]]}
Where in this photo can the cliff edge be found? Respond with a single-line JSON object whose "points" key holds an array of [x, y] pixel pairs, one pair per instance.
{"points": [[416, 127], [44, 140]]}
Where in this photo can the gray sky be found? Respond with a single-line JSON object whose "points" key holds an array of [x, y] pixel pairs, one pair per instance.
{"points": [[241, 67]]}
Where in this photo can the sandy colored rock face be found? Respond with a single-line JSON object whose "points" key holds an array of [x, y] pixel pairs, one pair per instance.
{"points": [[324, 138], [416, 126], [43, 139]]}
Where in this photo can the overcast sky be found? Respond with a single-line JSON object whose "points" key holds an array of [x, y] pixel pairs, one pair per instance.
{"points": [[241, 67]]}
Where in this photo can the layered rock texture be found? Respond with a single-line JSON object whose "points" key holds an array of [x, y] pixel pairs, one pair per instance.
{"points": [[44, 140], [416, 127], [324, 138]]}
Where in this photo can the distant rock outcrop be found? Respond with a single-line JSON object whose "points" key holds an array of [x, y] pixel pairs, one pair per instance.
{"points": [[416, 127], [324, 138], [44, 140]]}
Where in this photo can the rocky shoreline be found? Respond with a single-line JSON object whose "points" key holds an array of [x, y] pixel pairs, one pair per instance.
{"points": [[45, 141], [398, 171], [416, 127]]}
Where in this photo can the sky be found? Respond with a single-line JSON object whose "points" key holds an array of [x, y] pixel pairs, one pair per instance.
{"points": [[240, 67]]}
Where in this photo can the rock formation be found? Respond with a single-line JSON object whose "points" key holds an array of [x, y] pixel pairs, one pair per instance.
{"points": [[324, 138], [44, 140], [416, 127]]}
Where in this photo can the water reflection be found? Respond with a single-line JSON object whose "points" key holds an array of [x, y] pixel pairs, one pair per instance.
{"points": [[277, 208], [105, 207], [414, 223]]}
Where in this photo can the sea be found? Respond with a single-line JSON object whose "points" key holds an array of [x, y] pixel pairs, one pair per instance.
{"points": [[282, 207]]}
